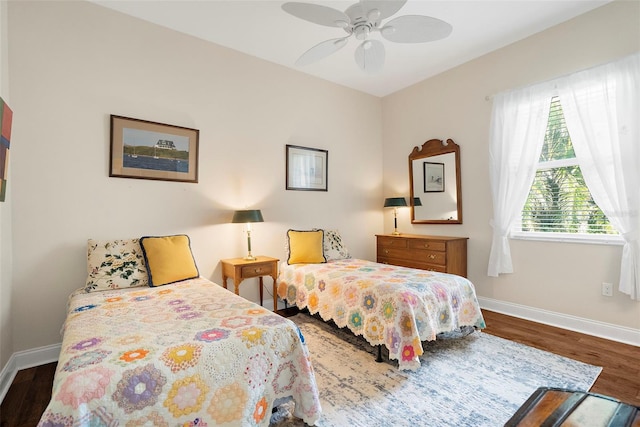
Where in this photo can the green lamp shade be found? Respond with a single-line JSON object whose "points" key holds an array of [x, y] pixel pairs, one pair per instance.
{"points": [[394, 202], [417, 201], [253, 215]]}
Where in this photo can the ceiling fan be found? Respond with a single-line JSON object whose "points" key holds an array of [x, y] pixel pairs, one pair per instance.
{"points": [[362, 20]]}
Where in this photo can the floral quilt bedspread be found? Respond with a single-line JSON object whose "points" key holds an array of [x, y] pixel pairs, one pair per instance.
{"points": [[190, 353], [393, 306]]}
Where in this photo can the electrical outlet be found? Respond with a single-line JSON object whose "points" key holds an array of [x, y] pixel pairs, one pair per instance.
{"points": [[607, 289]]}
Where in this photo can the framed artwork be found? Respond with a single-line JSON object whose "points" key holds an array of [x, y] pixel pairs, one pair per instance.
{"points": [[306, 168], [433, 177], [149, 150], [6, 116]]}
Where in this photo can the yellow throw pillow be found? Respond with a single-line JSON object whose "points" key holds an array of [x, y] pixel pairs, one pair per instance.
{"points": [[305, 247], [169, 259]]}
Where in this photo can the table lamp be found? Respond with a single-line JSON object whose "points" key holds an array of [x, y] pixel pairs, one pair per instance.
{"points": [[395, 203], [248, 216]]}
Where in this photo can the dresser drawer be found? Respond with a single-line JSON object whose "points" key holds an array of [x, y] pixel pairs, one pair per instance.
{"points": [[432, 257], [391, 242], [256, 270], [413, 264], [427, 244]]}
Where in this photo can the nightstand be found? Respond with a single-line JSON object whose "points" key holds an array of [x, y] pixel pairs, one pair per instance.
{"points": [[239, 269]]}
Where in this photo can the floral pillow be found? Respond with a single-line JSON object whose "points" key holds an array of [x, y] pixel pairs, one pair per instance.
{"points": [[333, 247], [115, 264]]}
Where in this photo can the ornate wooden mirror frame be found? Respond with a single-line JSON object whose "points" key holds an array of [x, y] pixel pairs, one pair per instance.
{"points": [[434, 181]]}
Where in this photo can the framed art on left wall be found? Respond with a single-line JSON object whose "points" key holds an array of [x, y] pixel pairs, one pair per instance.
{"points": [[6, 116], [149, 150]]}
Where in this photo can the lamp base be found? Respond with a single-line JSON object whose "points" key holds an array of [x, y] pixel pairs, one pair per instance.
{"points": [[250, 258], [396, 233]]}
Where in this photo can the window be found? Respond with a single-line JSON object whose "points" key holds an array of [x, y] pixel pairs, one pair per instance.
{"points": [[559, 205]]}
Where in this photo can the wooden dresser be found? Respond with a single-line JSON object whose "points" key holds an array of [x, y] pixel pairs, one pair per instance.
{"points": [[434, 253]]}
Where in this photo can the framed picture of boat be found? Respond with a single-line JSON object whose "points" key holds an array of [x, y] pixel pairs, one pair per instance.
{"points": [[149, 150]]}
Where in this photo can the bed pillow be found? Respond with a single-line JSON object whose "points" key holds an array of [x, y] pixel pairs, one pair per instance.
{"points": [[305, 247], [115, 264], [334, 249], [169, 259]]}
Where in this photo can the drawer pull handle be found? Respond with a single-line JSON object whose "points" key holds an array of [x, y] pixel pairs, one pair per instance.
{"points": [[386, 251], [426, 245], [432, 256], [258, 270]]}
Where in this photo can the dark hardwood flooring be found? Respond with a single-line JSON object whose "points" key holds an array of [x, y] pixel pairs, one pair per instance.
{"points": [[30, 391]]}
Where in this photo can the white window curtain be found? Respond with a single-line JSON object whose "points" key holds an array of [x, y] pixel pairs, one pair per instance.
{"points": [[602, 111], [518, 124]]}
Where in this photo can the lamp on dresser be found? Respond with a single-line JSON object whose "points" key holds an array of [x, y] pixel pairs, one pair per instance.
{"points": [[395, 203], [248, 216]]}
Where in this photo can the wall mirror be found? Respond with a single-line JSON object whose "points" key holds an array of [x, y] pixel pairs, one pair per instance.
{"points": [[434, 181]]}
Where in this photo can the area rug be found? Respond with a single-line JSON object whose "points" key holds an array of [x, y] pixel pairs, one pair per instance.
{"points": [[472, 380]]}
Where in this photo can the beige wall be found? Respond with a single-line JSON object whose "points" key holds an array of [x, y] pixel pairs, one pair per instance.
{"points": [[558, 277], [75, 63], [5, 212]]}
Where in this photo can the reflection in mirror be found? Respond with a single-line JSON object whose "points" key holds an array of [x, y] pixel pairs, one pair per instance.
{"points": [[434, 177]]}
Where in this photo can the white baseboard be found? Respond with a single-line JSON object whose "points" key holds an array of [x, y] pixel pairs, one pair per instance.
{"points": [[573, 323], [24, 360]]}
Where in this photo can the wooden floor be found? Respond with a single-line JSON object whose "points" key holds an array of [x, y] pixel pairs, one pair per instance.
{"points": [[30, 391]]}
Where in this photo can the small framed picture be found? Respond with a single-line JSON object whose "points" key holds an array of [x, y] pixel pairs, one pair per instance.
{"points": [[433, 177], [149, 150], [306, 168]]}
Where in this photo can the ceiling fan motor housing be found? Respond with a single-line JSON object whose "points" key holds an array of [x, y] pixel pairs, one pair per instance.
{"points": [[362, 21]]}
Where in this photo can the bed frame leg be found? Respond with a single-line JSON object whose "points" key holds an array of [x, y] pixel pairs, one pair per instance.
{"points": [[379, 357]]}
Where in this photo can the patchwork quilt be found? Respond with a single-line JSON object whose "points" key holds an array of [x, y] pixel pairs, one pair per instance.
{"points": [[393, 306], [190, 353]]}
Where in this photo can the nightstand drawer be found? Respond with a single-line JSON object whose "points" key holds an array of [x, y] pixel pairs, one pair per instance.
{"points": [[256, 270], [239, 269]]}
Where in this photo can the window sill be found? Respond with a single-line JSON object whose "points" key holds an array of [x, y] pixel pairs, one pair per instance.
{"points": [[570, 238]]}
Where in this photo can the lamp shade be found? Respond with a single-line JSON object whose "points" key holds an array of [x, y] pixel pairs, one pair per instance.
{"points": [[253, 215], [394, 202], [417, 201]]}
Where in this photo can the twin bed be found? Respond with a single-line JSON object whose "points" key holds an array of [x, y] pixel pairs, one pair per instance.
{"points": [[186, 353], [390, 306], [142, 348]]}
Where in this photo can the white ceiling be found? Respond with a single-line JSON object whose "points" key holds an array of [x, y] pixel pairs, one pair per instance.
{"points": [[261, 28]]}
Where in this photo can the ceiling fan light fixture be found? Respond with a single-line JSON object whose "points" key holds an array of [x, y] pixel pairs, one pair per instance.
{"points": [[341, 23], [366, 45], [362, 32]]}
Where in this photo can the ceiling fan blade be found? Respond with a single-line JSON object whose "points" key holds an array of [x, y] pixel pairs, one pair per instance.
{"points": [[415, 29], [386, 7], [317, 14], [321, 50], [370, 56]]}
